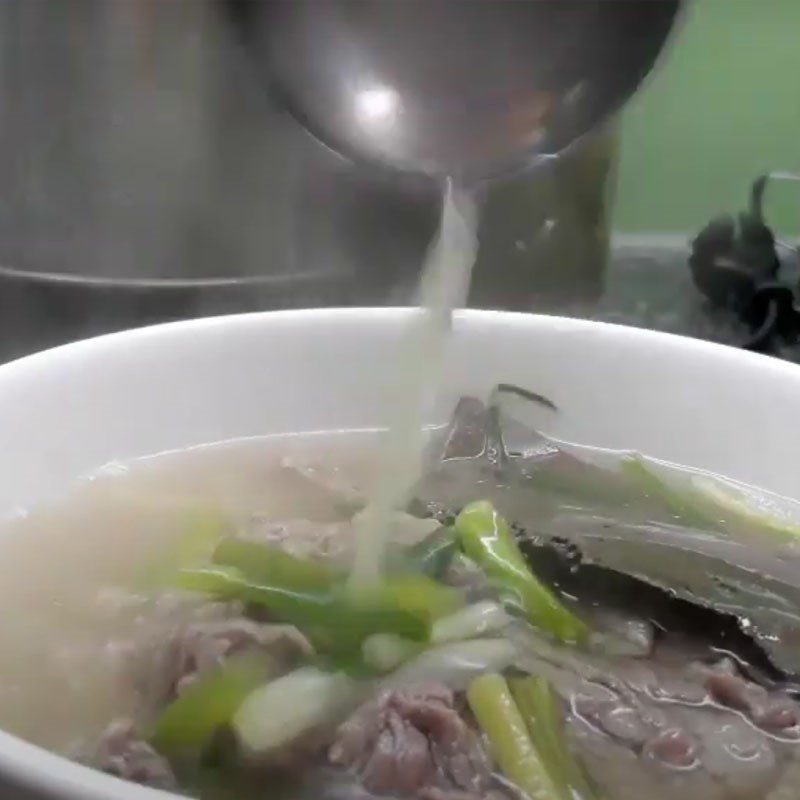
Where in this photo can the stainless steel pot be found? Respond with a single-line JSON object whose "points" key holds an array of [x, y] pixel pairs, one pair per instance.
{"points": [[140, 153]]}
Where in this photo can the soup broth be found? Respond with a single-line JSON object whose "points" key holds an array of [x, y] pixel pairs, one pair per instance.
{"points": [[553, 622], [78, 576]]}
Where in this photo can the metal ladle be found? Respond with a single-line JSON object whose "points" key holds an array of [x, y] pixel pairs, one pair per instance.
{"points": [[464, 88]]}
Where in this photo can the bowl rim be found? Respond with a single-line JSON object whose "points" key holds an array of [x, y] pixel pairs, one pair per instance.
{"points": [[37, 769], [488, 319]]}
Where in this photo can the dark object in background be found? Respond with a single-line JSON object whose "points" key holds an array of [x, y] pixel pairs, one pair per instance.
{"points": [[735, 264], [730, 257]]}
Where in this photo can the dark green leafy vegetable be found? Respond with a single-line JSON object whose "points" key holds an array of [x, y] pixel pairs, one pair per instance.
{"points": [[263, 564], [201, 531], [189, 721], [415, 594], [709, 504], [224, 583], [340, 619], [724, 500], [539, 709], [434, 554], [679, 503], [486, 538]]}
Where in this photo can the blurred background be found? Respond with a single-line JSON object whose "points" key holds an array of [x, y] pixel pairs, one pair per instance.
{"points": [[723, 109], [146, 176]]}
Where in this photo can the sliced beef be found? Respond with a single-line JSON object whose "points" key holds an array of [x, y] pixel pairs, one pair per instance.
{"points": [[774, 713], [173, 659], [413, 742], [122, 753], [331, 542], [787, 788], [465, 437], [200, 648], [345, 493], [653, 727], [334, 542], [203, 647]]}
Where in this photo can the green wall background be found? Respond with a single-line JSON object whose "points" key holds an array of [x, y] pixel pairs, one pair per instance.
{"points": [[723, 107]]}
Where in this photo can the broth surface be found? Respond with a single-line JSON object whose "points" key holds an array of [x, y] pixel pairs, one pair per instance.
{"points": [[74, 574], [662, 697]]}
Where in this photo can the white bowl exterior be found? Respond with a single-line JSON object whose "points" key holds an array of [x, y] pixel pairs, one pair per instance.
{"points": [[67, 411]]}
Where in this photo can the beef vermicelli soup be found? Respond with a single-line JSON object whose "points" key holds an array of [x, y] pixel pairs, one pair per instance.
{"points": [[549, 622], [328, 618]]}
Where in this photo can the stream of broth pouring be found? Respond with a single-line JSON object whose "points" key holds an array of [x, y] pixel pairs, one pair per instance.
{"points": [[412, 386]]}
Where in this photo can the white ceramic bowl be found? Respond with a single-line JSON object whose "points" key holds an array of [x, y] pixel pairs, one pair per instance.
{"points": [[69, 410]]}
